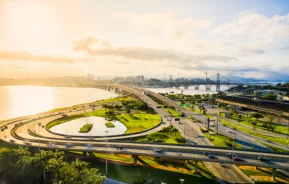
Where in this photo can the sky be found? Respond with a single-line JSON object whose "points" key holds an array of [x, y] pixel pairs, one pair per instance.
{"points": [[182, 38]]}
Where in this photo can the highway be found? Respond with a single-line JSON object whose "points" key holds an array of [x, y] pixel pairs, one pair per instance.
{"points": [[28, 134]]}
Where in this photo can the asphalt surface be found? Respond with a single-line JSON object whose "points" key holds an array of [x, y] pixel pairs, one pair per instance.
{"points": [[230, 174]]}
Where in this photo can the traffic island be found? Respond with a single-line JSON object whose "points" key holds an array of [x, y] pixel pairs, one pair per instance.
{"points": [[109, 124], [85, 128]]}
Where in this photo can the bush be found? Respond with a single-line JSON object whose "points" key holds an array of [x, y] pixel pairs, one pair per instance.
{"points": [[85, 128], [109, 125]]}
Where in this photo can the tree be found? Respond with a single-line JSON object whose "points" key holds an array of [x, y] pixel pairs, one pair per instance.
{"points": [[270, 119], [127, 111], [77, 173], [254, 123], [270, 97], [256, 115], [118, 107]]}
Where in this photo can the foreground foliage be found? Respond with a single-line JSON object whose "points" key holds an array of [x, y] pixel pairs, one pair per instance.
{"points": [[19, 166]]}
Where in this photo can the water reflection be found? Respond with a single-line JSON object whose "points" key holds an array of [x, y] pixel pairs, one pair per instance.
{"points": [[18, 101], [99, 129]]}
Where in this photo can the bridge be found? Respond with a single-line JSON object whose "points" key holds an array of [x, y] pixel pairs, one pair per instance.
{"points": [[276, 108], [19, 133]]}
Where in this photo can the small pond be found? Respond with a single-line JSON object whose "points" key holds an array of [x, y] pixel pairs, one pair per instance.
{"points": [[99, 129]]}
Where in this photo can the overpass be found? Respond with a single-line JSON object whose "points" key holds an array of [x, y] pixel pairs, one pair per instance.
{"points": [[193, 152]]}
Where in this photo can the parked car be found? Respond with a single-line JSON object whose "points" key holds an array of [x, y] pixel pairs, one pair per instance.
{"points": [[11, 140]]}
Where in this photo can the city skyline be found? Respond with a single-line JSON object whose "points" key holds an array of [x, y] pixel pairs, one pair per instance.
{"points": [[110, 38]]}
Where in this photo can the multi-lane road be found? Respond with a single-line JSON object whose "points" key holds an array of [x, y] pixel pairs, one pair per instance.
{"points": [[30, 134]]}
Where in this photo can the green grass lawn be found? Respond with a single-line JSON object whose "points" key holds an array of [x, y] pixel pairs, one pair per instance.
{"points": [[134, 122], [279, 128], [63, 120], [274, 148], [173, 112], [264, 174], [166, 135], [247, 130], [220, 140], [139, 122], [158, 170], [109, 125], [85, 128]]}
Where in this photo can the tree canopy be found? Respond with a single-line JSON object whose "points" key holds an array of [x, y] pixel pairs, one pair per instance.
{"points": [[20, 166]]}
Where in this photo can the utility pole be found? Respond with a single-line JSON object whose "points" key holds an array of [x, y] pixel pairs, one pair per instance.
{"points": [[217, 119]]}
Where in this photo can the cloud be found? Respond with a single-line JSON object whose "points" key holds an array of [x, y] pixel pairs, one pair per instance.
{"points": [[246, 51], [256, 30], [17, 66], [26, 56], [148, 54], [166, 23]]}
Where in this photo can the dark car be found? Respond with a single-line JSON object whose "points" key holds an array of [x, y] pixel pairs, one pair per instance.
{"points": [[212, 157], [69, 145], [230, 155], [224, 165], [207, 153], [121, 148], [264, 159], [238, 159], [158, 150]]}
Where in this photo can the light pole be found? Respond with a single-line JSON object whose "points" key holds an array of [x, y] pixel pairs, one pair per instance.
{"points": [[39, 124], [106, 153], [182, 180]]}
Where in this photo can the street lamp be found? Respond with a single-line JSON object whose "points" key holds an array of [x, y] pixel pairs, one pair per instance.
{"points": [[39, 124], [182, 180], [106, 153]]}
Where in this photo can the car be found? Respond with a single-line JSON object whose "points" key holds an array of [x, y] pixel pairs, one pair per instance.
{"points": [[89, 146], [69, 145], [67, 136], [11, 140], [27, 142], [158, 150], [230, 155], [224, 165], [212, 157], [207, 153], [121, 148], [264, 159], [268, 141], [238, 159], [52, 144]]}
